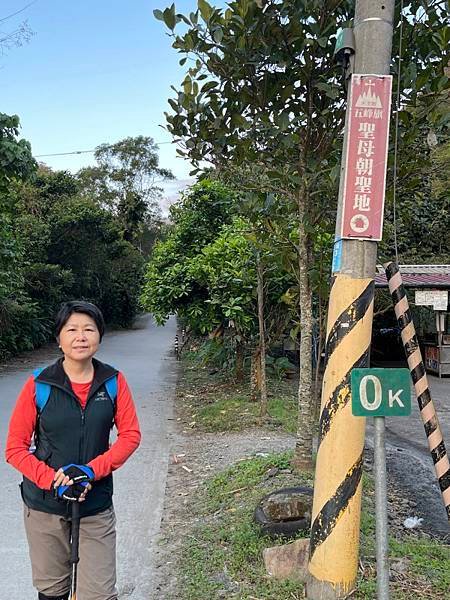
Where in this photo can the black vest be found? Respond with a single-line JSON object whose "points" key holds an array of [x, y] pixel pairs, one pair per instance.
{"points": [[65, 433]]}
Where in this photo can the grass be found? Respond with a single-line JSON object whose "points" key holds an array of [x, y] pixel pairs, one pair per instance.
{"points": [[212, 402], [222, 555], [426, 561], [222, 558]]}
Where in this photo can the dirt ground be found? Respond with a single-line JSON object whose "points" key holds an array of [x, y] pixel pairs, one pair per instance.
{"points": [[204, 454]]}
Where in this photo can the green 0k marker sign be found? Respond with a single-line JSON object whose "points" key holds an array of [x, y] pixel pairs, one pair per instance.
{"points": [[381, 392]]}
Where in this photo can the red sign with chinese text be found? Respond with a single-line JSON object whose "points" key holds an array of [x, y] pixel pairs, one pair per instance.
{"points": [[369, 109]]}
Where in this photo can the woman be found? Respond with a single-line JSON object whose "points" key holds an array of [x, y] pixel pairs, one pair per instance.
{"points": [[69, 408]]}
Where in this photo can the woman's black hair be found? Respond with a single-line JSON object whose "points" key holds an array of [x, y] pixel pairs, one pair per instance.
{"points": [[79, 306]]}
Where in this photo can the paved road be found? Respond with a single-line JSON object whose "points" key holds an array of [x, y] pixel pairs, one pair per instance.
{"points": [[410, 431], [143, 354], [409, 460]]}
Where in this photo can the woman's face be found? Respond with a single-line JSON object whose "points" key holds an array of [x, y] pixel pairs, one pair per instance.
{"points": [[79, 338]]}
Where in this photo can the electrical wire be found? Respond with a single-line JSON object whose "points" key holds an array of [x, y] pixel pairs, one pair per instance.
{"points": [[83, 151], [396, 132], [65, 153], [18, 11]]}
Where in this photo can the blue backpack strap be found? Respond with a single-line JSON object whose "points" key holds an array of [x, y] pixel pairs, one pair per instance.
{"points": [[42, 391], [111, 388]]}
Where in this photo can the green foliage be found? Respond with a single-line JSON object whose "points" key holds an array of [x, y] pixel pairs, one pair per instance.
{"points": [[279, 367], [201, 213], [263, 73], [216, 352], [16, 161], [73, 226], [423, 199], [21, 327], [60, 239], [215, 402], [262, 100], [17, 314], [170, 286], [205, 272], [227, 269], [125, 181], [120, 293], [54, 246], [18, 323]]}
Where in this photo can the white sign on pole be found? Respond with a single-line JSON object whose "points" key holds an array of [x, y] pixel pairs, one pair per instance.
{"points": [[438, 299]]}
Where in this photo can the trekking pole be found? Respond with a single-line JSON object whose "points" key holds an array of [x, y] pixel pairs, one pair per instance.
{"points": [[74, 558]]}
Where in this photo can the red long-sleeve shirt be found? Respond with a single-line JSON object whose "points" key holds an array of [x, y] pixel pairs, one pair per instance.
{"points": [[23, 424]]}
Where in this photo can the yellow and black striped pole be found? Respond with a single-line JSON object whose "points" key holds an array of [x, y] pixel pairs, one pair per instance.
{"points": [[334, 542], [420, 381], [337, 490]]}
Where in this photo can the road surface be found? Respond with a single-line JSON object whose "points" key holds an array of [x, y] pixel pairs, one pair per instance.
{"points": [[409, 460], [144, 356]]}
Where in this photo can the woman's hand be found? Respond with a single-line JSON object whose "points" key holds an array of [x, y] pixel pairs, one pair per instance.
{"points": [[82, 498], [61, 479]]}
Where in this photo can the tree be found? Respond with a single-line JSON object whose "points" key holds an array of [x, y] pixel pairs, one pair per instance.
{"points": [[421, 230], [59, 229], [169, 286], [226, 269], [206, 273], [125, 181], [16, 161], [16, 310], [263, 90], [47, 233]]}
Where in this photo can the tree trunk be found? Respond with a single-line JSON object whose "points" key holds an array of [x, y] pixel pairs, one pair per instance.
{"points": [[262, 337], [303, 448], [239, 363], [255, 376], [320, 347]]}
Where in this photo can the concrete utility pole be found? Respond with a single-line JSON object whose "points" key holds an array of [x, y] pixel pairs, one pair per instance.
{"points": [[336, 510]]}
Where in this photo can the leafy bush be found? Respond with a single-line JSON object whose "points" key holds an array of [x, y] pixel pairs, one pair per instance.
{"points": [[217, 353], [279, 367]]}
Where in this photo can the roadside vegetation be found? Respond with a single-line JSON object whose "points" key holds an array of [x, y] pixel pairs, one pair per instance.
{"points": [[221, 556], [259, 115], [209, 400], [246, 264], [65, 236], [224, 553]]}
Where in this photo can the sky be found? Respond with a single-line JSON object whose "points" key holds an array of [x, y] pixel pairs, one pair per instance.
{"points": [[94, 71]]}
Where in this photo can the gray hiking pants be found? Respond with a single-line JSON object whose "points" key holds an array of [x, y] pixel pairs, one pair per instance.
{"points": [[49, 546]]}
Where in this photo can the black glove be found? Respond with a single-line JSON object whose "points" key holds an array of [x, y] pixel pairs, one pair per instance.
{"points": [[81, 475], [78, 473], [70, 492]]}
